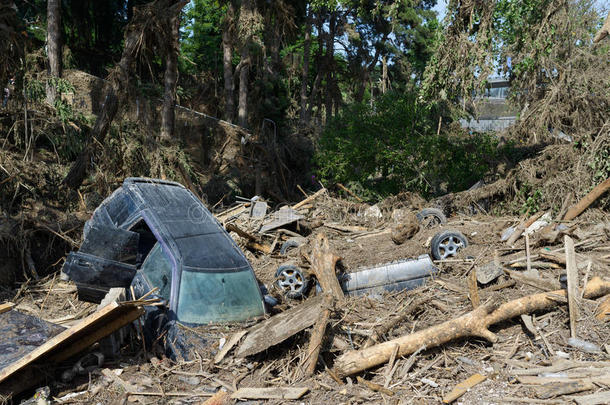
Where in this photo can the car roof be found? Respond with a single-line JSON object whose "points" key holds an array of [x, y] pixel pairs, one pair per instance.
{"points": [[178, 216]]}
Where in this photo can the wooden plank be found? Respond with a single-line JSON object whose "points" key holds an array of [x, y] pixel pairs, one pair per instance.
{"points": [[542, 284], [462, 387], [599, 398], [534, 380], [572, 273], [270, 393], [236, 337], [280, 327], [7, 306], [556, 389], [474, 289], [77, 338]]}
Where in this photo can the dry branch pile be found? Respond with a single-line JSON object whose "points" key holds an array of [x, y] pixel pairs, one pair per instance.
{"points": [[428, 344]]}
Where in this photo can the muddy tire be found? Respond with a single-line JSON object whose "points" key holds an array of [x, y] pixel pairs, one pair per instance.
{"points": [[446, 244], [292, 243], [431, 217], [291, 281]]}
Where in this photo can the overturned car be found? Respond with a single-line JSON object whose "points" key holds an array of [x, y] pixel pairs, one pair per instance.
{"points": [[156, 234]]}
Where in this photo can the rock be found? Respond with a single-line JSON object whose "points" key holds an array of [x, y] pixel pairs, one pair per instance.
{"points": [[372, 212], [405, 230], [488, 272]]}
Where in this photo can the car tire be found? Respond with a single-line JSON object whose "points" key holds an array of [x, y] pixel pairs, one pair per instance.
{"points": [[447, 243], [291, 243], [291, 281], [431, 217]]}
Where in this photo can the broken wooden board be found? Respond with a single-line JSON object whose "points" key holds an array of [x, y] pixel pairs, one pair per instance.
{"points": [[7, 306], [461, 388], [280, 327], [270, 393], [599, 398], [281, 217], [69, 342], [572, 273], [236, 337], [555, 389]]}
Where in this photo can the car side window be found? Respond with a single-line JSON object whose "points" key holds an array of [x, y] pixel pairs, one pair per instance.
{"points": [[157, 269]]}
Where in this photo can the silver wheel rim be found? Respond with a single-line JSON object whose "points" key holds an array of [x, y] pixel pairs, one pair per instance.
{"points": [[449, 246], [291, 281]]}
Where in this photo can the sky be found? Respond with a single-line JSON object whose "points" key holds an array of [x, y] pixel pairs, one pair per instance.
{"points": [[441, 7]]}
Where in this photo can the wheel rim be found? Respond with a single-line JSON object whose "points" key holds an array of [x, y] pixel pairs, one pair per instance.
{"points": [[449, 246], [291, 281]]}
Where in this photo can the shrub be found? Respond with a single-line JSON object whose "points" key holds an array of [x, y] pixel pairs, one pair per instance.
{"points": [[393, 146]]}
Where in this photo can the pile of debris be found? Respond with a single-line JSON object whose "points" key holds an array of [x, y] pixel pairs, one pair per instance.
{"points": [[502, 310]]}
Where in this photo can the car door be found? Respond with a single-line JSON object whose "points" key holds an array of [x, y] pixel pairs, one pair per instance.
{"points": [[105, 260]]}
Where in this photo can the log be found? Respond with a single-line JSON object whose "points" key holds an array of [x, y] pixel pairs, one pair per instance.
{"points": [[323, 263], [587, 200], [317, 336], [475, 323]]}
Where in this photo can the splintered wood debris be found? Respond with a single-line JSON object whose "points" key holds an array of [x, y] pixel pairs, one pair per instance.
{"points": [[497, 324]]}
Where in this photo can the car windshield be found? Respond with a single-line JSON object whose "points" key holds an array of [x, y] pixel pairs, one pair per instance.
{"points": [[213, 297]]}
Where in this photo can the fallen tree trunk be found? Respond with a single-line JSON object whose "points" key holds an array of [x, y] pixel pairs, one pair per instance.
{"points": [[323, 263], [317, 337], [475, 323]]}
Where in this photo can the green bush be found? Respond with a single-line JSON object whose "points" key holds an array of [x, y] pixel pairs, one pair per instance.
{"points": [[393, 146]]}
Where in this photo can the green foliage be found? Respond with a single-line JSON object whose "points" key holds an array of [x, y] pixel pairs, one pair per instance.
{"points": [[201, 36], [600, 165], [393, 146], [533, 199], [35, 90]]}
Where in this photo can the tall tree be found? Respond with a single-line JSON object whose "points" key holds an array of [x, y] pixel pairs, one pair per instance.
{"points": [[171, 75], [146, 30], [303, 112], [247, 27], [228, 35], [53, 46]]}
